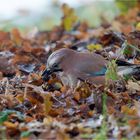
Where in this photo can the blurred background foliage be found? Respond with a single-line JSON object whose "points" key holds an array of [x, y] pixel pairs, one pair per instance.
{"points": [[48, 14], [125, 5]]}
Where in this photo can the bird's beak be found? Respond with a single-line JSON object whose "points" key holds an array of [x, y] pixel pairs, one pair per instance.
{"points": [[47, 72]]}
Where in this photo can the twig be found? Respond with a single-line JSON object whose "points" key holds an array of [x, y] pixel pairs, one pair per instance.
{"points": [[25, 92], [6, 88]]}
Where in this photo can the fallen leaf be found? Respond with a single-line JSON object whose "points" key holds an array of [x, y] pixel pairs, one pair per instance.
{"points": [[129, 111], [47, 104], [93, 47], [69, 18], [16, 37], [10, 124], [133, 85]]}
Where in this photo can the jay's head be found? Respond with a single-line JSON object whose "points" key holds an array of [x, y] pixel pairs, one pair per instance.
{"points": [[55, 61]]}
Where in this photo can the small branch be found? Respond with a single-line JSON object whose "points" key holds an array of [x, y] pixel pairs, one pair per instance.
{"points": [[7, 85]]}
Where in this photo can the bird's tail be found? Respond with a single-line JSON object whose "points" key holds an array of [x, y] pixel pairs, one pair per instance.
{"points": [[132, 70]]}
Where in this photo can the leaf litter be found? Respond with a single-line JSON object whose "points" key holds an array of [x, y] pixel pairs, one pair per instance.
{"points": [[32, 109]]}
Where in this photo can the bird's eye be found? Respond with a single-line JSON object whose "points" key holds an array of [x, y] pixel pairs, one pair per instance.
{"points": [[55, 65]]}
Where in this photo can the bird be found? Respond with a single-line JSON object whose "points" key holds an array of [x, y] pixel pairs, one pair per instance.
{"points": [[73, 66]]}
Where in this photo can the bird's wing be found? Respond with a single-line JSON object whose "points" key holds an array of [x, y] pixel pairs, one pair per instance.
{"points": [[90, 65]]}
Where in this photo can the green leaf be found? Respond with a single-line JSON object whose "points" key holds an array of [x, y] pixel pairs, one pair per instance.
{"points": [[25, 134], [4, 115], [127, 77], [125, 5], [127, 50], [111, 72]]}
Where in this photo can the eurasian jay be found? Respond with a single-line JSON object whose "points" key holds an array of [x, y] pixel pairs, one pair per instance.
{"points": [[73, 66]]}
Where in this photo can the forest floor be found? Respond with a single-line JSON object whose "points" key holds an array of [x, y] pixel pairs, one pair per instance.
{"points": [[33, 109]]}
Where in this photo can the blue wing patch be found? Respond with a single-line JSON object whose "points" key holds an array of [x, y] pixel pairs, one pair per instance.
{"points": [[99, 73]]}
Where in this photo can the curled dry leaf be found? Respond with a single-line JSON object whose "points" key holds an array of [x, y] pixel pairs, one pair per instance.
{"points": [[133, 85]]}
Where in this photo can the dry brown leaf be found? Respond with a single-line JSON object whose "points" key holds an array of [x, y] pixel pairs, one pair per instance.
{"points": [[34, 97], [19, 59], [133, 123], [129, 111], [55, 112], [47, 104], [10, 124], [16, 37], [133, 85], [27, 47]]}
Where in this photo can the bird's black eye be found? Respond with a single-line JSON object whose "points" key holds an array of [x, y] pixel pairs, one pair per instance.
{"points": [[55, 65], [56, 68]]}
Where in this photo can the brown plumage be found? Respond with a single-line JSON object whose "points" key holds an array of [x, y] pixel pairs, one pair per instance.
{"points": [[72, 66]]}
